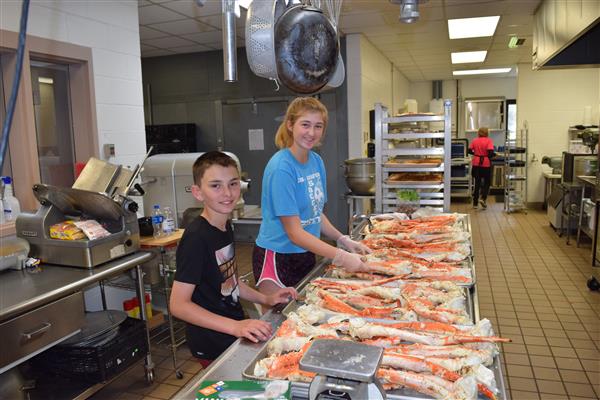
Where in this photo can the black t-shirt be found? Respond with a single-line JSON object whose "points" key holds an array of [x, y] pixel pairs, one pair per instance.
{"points": [[206, 258]]}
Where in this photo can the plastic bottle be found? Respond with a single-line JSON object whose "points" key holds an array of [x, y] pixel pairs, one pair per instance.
{"points": [[157, 222], [12, 208], [128, 307], [136, 307], [148, 306], [168, 225]]}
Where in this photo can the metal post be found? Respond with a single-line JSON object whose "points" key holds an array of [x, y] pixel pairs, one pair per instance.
{"points": [[139, 289], [229, 45]]}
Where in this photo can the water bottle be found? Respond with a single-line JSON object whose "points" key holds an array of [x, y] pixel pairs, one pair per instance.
{"points": [[11, 205], [157, 222], [168, 225]]}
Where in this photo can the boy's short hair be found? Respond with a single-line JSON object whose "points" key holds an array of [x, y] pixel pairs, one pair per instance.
{"points": [[209, 159]]}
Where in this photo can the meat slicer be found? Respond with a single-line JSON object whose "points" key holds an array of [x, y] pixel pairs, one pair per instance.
{"points": [[345, 370], [100, 193]]}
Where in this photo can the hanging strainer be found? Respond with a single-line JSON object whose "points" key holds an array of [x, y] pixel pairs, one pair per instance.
{"points": [[260, 48]]}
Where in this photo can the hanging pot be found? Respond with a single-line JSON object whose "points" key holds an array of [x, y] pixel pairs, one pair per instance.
{"points": [[306, 49]]}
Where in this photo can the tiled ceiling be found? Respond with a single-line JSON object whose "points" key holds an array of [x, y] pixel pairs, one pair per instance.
{"points": [[420, 50]]}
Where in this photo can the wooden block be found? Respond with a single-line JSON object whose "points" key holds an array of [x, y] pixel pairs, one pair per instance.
{"points": [[158, 318]]}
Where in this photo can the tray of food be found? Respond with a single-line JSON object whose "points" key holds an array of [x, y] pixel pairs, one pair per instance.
{"points": [[435, 355], [413, 162], [326, 298]]}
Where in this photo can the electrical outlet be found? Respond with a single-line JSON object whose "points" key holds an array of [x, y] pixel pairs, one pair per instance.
{"points": [[109, 150]]}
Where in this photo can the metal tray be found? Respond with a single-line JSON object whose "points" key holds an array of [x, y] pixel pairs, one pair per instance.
{"points": [[293, 306], [467, 263], [300, 389]]}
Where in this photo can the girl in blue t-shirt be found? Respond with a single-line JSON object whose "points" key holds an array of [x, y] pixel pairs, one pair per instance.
{"points": [[294, 192]]}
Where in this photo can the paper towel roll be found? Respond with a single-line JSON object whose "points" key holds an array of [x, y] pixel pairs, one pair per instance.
{"points": [[587, 115]]}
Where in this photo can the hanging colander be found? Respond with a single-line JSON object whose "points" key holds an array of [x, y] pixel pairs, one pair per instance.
{"points": [[260, 43]]}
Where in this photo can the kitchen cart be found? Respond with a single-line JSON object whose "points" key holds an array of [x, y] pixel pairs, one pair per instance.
{"points": [[587, 208], [515, 170], [41, 308], [165, 247], [416, 130]]}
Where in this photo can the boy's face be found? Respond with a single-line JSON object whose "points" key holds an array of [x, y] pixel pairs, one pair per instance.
{"points": [[219, 189]]}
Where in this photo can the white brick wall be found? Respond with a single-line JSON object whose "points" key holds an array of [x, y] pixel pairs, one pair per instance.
{"points": [[110, 29]]}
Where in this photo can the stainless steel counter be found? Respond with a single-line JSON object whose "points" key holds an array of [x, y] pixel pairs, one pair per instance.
{"points": [[230, 365], [22, 291]]}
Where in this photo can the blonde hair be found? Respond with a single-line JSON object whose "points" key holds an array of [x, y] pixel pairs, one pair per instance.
{"points": [[298, 107], [483, 132]]}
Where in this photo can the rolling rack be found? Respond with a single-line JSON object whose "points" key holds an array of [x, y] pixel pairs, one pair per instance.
{"points": [[434, 194], [515, 167], [175, 330]]}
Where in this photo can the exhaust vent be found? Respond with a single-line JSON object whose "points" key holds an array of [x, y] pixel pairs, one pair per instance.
{"points": [[515, 42]]}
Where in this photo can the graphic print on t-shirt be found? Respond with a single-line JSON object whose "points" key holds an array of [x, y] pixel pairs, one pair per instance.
{"points": [[317, 198], [226, 261]]}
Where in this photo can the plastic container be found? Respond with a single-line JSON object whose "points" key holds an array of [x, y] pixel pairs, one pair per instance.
{"points": [[108, 355], [136, 307], [157, 222], [11, 205], [13, 253], [128, 307], [168, 224], [148, 306]]}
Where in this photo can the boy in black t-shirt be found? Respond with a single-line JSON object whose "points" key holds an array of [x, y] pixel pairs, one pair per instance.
{"points": [[206, 290]]}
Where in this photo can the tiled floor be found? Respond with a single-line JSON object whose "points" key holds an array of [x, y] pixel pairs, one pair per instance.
{"points": [[531, 285]]}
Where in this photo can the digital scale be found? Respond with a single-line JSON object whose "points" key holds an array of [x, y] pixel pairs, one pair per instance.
{"points": [[345, 370]]}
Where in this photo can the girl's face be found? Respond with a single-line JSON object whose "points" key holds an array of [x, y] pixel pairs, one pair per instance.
{"points": [[308, 129]]}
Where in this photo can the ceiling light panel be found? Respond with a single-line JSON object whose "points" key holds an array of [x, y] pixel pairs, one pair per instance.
{"points": [[481, 71], [472, 27], [468, 57]]}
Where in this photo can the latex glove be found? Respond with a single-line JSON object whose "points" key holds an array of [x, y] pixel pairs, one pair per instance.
{"points": [[352, 246], [349, 261], [282, 296]]}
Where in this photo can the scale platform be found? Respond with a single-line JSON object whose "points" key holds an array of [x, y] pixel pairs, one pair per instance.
{"points": [[345, 370]]}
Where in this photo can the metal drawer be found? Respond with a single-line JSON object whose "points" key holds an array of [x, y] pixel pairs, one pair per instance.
{"points": [[28, 334]]}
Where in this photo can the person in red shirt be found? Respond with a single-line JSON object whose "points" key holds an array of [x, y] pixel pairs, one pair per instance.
{"points": [[482, 149]]}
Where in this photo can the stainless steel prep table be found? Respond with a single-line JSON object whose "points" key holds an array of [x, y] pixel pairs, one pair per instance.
{"points": [[25, 291], [230, 365]]}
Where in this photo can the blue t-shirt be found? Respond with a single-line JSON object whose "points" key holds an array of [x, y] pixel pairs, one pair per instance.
{"points": [[291, 188]]}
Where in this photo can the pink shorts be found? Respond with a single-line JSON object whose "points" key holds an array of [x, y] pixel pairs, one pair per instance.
{"points": [[283, 269]]}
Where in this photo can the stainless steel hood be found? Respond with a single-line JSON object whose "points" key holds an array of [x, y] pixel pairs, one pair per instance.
{"points": [[566, 34]]}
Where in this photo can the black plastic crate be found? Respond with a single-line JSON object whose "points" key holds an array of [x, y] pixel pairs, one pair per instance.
{"points": [[108, 355]]}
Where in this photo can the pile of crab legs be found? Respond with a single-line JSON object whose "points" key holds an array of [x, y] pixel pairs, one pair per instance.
{"points": [[440, 360], [413, 274], [433, 249]]}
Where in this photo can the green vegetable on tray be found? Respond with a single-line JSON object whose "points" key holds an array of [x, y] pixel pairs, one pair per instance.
{"points": [[407, 195]]}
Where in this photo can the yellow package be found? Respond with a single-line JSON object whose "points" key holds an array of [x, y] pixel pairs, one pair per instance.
{"points": [[66, 231]]}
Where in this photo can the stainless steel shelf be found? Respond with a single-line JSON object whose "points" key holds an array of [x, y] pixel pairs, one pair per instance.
{"points": [[412, 118], [414, 169], [413, 135], [407, 151]]}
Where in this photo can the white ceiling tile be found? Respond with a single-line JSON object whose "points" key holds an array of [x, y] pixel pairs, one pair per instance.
{"points": [[155, 53], [192, 9], [171, 41], [205, 37], [362, 20], [145, 47], [197, 48], [149, 33], [182, 27], [155, 14], [215, 21]]}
